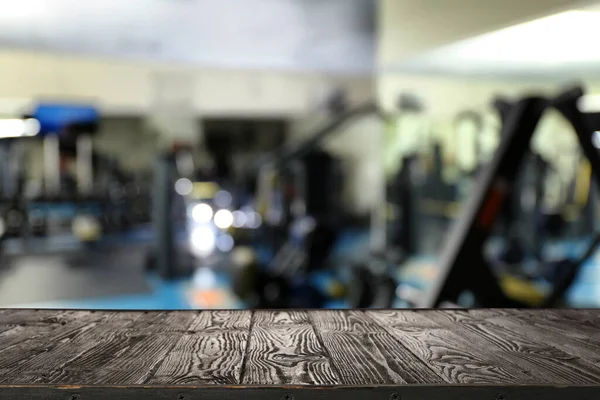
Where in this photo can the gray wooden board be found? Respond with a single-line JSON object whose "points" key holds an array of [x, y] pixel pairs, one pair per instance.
{"points": [[544, 362], [284, 349], [451, 355], [390, 354], [210, 352]]}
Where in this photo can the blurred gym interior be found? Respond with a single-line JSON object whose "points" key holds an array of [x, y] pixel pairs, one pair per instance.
{"points": [[311, 154]]}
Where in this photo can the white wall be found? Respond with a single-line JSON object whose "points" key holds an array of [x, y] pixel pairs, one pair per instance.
{"points": [[121, 87]]}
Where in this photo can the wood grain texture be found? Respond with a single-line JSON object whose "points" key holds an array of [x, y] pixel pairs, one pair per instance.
{"points": [[280, 318], [34, 316], [537, 359], [455, 358], [571, 341], [538, 348], [211, 352], [75, 342], [125, 347], [284, 349], [36, 337], [217, 320], [551, 319], [343, 321], [162, 321], [353, 339]]}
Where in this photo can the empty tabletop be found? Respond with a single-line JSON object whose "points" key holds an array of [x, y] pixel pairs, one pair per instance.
{"points": [[297, 354]]}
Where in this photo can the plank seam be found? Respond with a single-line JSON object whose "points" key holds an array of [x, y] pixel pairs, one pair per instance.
{"points": [[247, 348], [396, 340], [156, 366], [325, 349]]}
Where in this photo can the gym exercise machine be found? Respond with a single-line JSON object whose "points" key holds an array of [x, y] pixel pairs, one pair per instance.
{"points": [[80, 191], [463, 267], [308, 192]]}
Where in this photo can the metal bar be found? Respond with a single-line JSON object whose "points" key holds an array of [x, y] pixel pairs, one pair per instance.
{"points": [[162, 218], [462, 266], [51, 165], [84, 165], [286, 154], [277, 392]]}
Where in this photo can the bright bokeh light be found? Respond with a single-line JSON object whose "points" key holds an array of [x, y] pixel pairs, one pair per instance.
{"points": [[202, 213], [184, 186], [86, 227], [224, 219], [589, 103], [239, 219], [253, 220], [596, 139], [225, 243], [223, 198], [10, 128], [202, 241], [205, 278]]}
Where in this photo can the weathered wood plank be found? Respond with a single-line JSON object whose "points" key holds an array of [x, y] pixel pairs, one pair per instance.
{"points": [[507, 348], [284, 349], [545, 363], [38, 333], [15, 334], [137, 363], [563, 321], [47, 317], [47, 363], [342, 321], [570, 342], [211, 353], [375, 357], [163, 321], [577, 325], [453, 357], [130, 354], [208, 320], [280, 318]]}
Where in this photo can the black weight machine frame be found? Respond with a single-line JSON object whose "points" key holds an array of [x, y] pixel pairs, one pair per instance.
{"points": [[463, 266]]}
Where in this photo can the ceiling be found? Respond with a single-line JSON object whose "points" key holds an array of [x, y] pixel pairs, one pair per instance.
{"points": [[562, 46], [322, 35]]}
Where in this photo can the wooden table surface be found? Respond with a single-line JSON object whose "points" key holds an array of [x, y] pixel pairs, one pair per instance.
{"points": [[393, 353]]}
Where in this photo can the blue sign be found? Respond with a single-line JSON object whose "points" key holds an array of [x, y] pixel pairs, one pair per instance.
{"points": [[54, 117]]}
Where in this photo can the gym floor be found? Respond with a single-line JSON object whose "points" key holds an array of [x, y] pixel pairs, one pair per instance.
{"points": [[116, 279]]}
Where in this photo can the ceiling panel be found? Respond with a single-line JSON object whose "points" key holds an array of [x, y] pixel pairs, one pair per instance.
{"points": [[285, 34], [559, 46]]}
